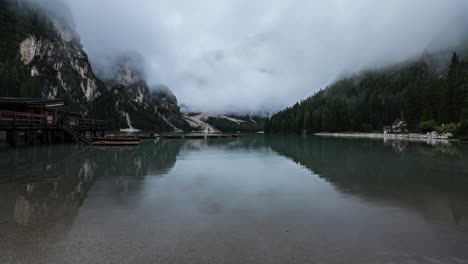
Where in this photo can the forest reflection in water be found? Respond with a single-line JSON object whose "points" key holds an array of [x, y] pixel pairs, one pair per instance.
{"points": [[385, 187], [392, 171]]}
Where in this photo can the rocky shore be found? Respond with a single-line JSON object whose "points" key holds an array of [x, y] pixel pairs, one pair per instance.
{"points": [[432, 138]]}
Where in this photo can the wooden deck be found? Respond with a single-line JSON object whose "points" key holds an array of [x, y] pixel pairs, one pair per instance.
{"points": [[39, 128]]}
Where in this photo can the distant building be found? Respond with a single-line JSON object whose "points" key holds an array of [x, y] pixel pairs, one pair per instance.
{"points": [[398, 126], [387, 129]]}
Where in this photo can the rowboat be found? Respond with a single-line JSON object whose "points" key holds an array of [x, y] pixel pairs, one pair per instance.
{"points": [[116, 139], [238, 135], [147, 136], [195, 137], [116, 143], [172, 136], [120, 136]]}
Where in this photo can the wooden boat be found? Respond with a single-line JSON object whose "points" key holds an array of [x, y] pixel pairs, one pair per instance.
{"points": [[116, 143], [238, 135], [116, 139], [172, 136], [147, 136], [195, 137], [121, 136]]}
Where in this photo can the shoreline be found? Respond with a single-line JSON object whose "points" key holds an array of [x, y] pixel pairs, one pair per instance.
{"points": [[408, 137]]}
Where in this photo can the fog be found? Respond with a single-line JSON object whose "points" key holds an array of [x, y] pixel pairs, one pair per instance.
{"points": [[263, 55]]}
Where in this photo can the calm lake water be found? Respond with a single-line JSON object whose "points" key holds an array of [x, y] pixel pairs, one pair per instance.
{"points": [[259, 199]]}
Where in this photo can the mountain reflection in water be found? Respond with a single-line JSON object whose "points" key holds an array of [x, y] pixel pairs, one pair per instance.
{"points": [[236, 201]]}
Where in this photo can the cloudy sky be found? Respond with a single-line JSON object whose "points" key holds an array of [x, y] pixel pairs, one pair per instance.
{"points": [[244, 55]]}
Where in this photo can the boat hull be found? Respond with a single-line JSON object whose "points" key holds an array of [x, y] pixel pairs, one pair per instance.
{"points": [[116, 143], [172, 137], [194, 137], [116, 139], [147, 137]]}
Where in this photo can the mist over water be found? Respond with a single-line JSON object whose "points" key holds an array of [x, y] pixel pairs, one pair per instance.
{"points": [[244, 56]]}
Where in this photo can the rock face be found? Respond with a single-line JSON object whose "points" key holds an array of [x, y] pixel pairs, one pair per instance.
{"points": [[61, 60], [117, 92], [125, 80], [212, 123], [165, 104], [199, 123]]}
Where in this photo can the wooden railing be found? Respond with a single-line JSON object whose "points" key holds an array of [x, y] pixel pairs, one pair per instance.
{"points": [[24, 121], [83, 124], [27, 121]]}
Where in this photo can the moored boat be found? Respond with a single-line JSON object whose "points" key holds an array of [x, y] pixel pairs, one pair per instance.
{"points": [[172, 136], [148, 136], [238, 135], [116, 143], [116, 139], [195, 137]]}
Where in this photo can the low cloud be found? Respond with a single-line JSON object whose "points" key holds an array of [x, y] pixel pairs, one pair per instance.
{"points": [[243, 56]]}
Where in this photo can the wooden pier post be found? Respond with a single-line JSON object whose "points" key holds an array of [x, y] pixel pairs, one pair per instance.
{"points": [[13, 138], [49, 136]]}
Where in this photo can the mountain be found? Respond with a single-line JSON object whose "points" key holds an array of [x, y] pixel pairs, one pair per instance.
{"points": [[224, 123], [166, 105], [430, 93], [139, 106], [42, 56]]}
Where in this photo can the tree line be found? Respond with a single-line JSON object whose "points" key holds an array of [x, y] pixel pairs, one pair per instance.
{"points": [[365, 102]]}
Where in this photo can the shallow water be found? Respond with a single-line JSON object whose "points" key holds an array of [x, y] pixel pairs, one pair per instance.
{"points": [[259, 199]]}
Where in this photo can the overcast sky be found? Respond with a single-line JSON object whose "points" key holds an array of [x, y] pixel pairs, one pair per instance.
{"points": [[245, 55]]}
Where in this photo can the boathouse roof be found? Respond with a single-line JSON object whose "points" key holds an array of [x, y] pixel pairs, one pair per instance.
{"points": [[31, 102], [396, 122]]}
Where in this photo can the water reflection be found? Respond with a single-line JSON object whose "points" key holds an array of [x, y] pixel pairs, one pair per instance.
{"points": [[431, 180], [44, 184], [236, 201]]}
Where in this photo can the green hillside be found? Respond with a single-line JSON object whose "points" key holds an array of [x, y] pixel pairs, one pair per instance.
{"points": [[369, 100]]}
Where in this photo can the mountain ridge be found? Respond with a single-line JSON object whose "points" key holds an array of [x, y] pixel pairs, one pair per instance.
{"points": [[45, 58]]}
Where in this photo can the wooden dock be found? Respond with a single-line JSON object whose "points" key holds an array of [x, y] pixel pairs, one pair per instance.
{"points": [[35, 121], [206, 136]]}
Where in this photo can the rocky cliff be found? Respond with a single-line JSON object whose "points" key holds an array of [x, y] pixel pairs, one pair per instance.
{"points": [[43, 57], [212, 123], [135, 101], [60, 61]]}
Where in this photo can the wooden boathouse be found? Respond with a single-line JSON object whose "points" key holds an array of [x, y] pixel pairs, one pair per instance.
{"points": [[33, 121]]}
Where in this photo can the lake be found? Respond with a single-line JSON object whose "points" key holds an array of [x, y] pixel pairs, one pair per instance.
{"points": [[258, 199]]}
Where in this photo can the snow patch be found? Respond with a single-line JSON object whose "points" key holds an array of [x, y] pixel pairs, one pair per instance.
{"points": [[34, 71], [197, 122], [200, 121], [140, 96], [204, 116], [251, 119], [129, 123]]}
